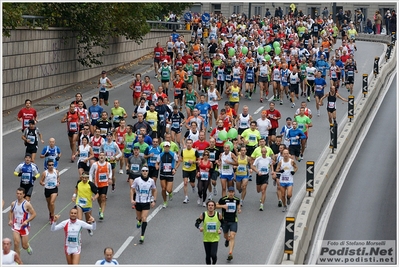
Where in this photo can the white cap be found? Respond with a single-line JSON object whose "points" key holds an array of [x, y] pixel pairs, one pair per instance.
{"points": [[165, 61], [166, 144], [263, 59]]}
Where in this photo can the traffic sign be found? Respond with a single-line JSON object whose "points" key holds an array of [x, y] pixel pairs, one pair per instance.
{"points": [[376, 69], [351, 107], [289, 235], [187, 16], [206, 17], [365, 84], [333, 135], [309, 176]]}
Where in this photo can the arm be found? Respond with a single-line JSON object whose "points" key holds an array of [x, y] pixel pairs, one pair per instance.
{"points": [[340, 97], [110, 83], [32, 212], [92, 172], [11, 214], [42, 179], [132, 191], [64, 119]]}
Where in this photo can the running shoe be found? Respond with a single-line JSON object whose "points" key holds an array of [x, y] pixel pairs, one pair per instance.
{"points": [[226, 243], [113, 188], [285, 209], [288, 96], [215, 191], [29, 250], [230, 257], [141, 241], [241, 202], [199, 201], [210, 129], [308, 98], [280, 203], [288, 201], [274, 183], [165, 204], [99, 211], [186, 200], [101, 216], [281, 101], [120, 171], [254, 90], [193, 189], [299, 159], [90, 232], [204, 204], [261, 207], [278, 97], [249, 97], [210, 197], [274, 98], [246, 94], [318, 113], [138, 225], [170, 196], [261, 100], [250, 178], [293, 105]]}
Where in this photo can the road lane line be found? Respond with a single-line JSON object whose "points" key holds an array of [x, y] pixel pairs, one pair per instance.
{"points": [[259, 109], [123, 247], [64, 170]]}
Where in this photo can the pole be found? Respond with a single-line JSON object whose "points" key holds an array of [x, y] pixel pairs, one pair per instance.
{"points": [[249, 10]]}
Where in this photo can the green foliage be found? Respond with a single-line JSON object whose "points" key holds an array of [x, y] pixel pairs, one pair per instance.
{"points": [[92, 23]]}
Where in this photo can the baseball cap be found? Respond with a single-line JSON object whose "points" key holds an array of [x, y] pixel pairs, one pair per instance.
{"points": [[144, 168], [103, 72], [166, 144], [32, 122], [288, 119], [84, 175], [231, 188], [109, 133], [165, 61], [263, 59], [136, 146]]}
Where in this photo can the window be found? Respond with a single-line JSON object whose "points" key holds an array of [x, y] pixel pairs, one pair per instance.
{"points": [[216, 7], [258, 11], [237, 9]]}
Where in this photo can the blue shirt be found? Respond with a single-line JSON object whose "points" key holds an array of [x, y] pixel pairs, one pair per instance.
{"points": [[204, 110], [53, 153], [149, 150], [95, 112], [322, 66], [292, 134], [319, 84]]}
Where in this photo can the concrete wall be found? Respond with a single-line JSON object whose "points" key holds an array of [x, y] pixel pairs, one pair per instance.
{"points": [[37, 63]]}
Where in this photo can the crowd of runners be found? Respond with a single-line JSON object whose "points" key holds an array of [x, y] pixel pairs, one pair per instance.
{"points": [[193, 120]]}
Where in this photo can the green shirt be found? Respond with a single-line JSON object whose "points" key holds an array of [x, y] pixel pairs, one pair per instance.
{"points": [[190, 70], [211, 227], [251, 136], [142, 146], [173, 147], [257, 152], [117, 113], [165, 73], [302, 121], [190, 99], [129, 143]]}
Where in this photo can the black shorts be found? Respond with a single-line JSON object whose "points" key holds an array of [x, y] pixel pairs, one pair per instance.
{"points": [[102, 190], [262, 179], [170, 54], [164, 81], [176, 130], [190, 175], [134, 176], [214, 174], [28, 189], [294, 88], [250, 150], [350, 80], [152, 172], [331, 110], [179, 96], [70, 134], [241, 130], [198, 74], [272, 131], [318, 94], [166, 178], [49, 192], [82, 165], [113, 165], [206, 77], [232, 226], [30, 149], [263, 80], [294, 150], [311, 83], [161, 130], [143, 206], [156, 60], [103, 95]]}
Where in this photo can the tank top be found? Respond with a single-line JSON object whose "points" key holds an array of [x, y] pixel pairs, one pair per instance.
{"points": [[141, 109], [129, 143], [250, 74], [220, 74], [101, 177], [119, 136], [264, 70], [147, 90], [204, 170], [82, 115], [187, 156], [242, 168], [109, 150], [331, 101], [165, 73], [286, 176], [211, 227], [235, 94], [73, 124], [244, 121], [153, 150], [19, 215], [152, 119], [84, 152], [137, 87], [83, 198], [8, 259], [190, 98], [212, 98], [226, 168], [193, 136], [96, 145], [50, 180]]}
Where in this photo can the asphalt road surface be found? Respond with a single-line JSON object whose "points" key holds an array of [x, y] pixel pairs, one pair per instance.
{"points": [[171, 237]]}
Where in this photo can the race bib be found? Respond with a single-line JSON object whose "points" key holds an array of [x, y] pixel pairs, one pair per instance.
{"points": [[84, 154], [135, 167], [331, 104], [167, 167], [241, 168], [102, 177], [211, 227], [25, 178], [94, 115], [153, 160], [204, 175], [82, 201], [231, 207], [73, 126]]}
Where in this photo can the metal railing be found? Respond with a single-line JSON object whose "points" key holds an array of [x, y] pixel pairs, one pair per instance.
{"points": [[164, 25], [32, 20]]}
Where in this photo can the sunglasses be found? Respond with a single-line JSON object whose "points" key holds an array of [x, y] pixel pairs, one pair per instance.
{"points": [[86, 129], [144, 170], [50, 164], [206, 154]]}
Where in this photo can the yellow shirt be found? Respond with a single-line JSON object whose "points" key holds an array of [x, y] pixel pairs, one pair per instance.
{"points": [[235, 94], [187, 156], [242, 169], [152, 119]]}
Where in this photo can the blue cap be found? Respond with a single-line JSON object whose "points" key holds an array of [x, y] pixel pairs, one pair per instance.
{"points": [[231, 188]]}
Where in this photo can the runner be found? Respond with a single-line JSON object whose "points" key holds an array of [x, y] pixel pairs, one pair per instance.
{"points": [[145, 192], [203, 176], [29, 172], [163, 111], [50, 180], [83, 197], [273, 115], [264, 125], [304, 123], [152, 117], [250, 73], [211, 228], [135, 164], [112, 154], [350, 69], [101, 173], [332, 104], [31, 137], [205, 110], [310, 77], [85, 153], [285, 129], [190, 100], [251, 137], [119, 135], [167, 163], [192, 134], [104, 124], [72, 228], [213, 98], [226, 162], [294, 81], [108, 251], [201, 144], [26, 114], [242, 172], [189, 156], [234, 93], [158, 51], [96, 142], [264, 72], [117, 114], [176, 120], [287, 167], [83, 115], [104, 84], [141, 123], [214, 155], [9, 256], [165, 72], [136, 86], [295, 145], [230, 206], [262, 166], [243, 120], [19, 218], [320, 84], [151, 154], [79, 97]]}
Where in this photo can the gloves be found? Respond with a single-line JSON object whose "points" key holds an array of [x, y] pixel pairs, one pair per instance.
{"points": [[134, 117], [20, 174], [57, 158], [47, 154], [282, 170], [292, 172]]}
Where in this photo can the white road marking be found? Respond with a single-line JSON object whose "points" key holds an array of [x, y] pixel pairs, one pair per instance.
{"points": [[64, 170], [123, 247], [259, 109], [270, 98]]}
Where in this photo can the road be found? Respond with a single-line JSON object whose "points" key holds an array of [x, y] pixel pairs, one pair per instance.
{"points": [[171, 237], [368, 196]]}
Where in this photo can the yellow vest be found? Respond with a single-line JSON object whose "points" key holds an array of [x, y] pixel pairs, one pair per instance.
{"points": [[187, 156], [242, 168], [235, 94], [152, 119]]}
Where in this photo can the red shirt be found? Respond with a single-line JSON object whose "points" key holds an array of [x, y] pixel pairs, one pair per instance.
{"points": [[197, 67], [207, 69], [180, 62], [271, 115], [214, 134], [158, 51], [167, 57], [187, 57], [344, 58], [200, 146], [26, 115]]}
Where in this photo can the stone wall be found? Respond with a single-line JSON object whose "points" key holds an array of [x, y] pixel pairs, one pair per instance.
{"points": [[37, 63]]}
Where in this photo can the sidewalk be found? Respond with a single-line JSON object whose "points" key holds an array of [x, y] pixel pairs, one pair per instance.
{"points": [[59, 101]]}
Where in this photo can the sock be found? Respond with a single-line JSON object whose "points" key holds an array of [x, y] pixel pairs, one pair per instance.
{"points": [[143, 226], [250, 93]]}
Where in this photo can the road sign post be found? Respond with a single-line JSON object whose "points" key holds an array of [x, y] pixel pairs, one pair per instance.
{"points": [[310, 177], [289, 236], [376, 61], [351, 107], [365, 89], [333, 136], [388, 53]]}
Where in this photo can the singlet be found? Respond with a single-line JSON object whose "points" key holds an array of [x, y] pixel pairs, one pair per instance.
{"points": [[276, 75], [211, 227], [204, 170], [103, 84], [193, 136], [141, 109], [73, 231], [244, 121], [50, 180], [8, 259], [147, 89], [167, 163], [284, 75], [96, 145], [83, 115], [227, 168], [311, 71], [331, 101], [250, 75], [264, 70], [109, 150], [73, 124], [235, 94], [212, 98], [153, 159], [143, 189], [176, 119], [152, 119], [242, 168], [220, 74], [102, 174], [31, 136], [294, 78], [187, 155], [165, 73], [85, 191], [129, 143], [286, 176], [19, 215], [84, 152], [119, 136], [263, 164], [190, 98]]}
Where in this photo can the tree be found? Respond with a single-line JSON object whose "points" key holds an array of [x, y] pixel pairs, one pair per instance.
{"points": [[92, 24]]}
